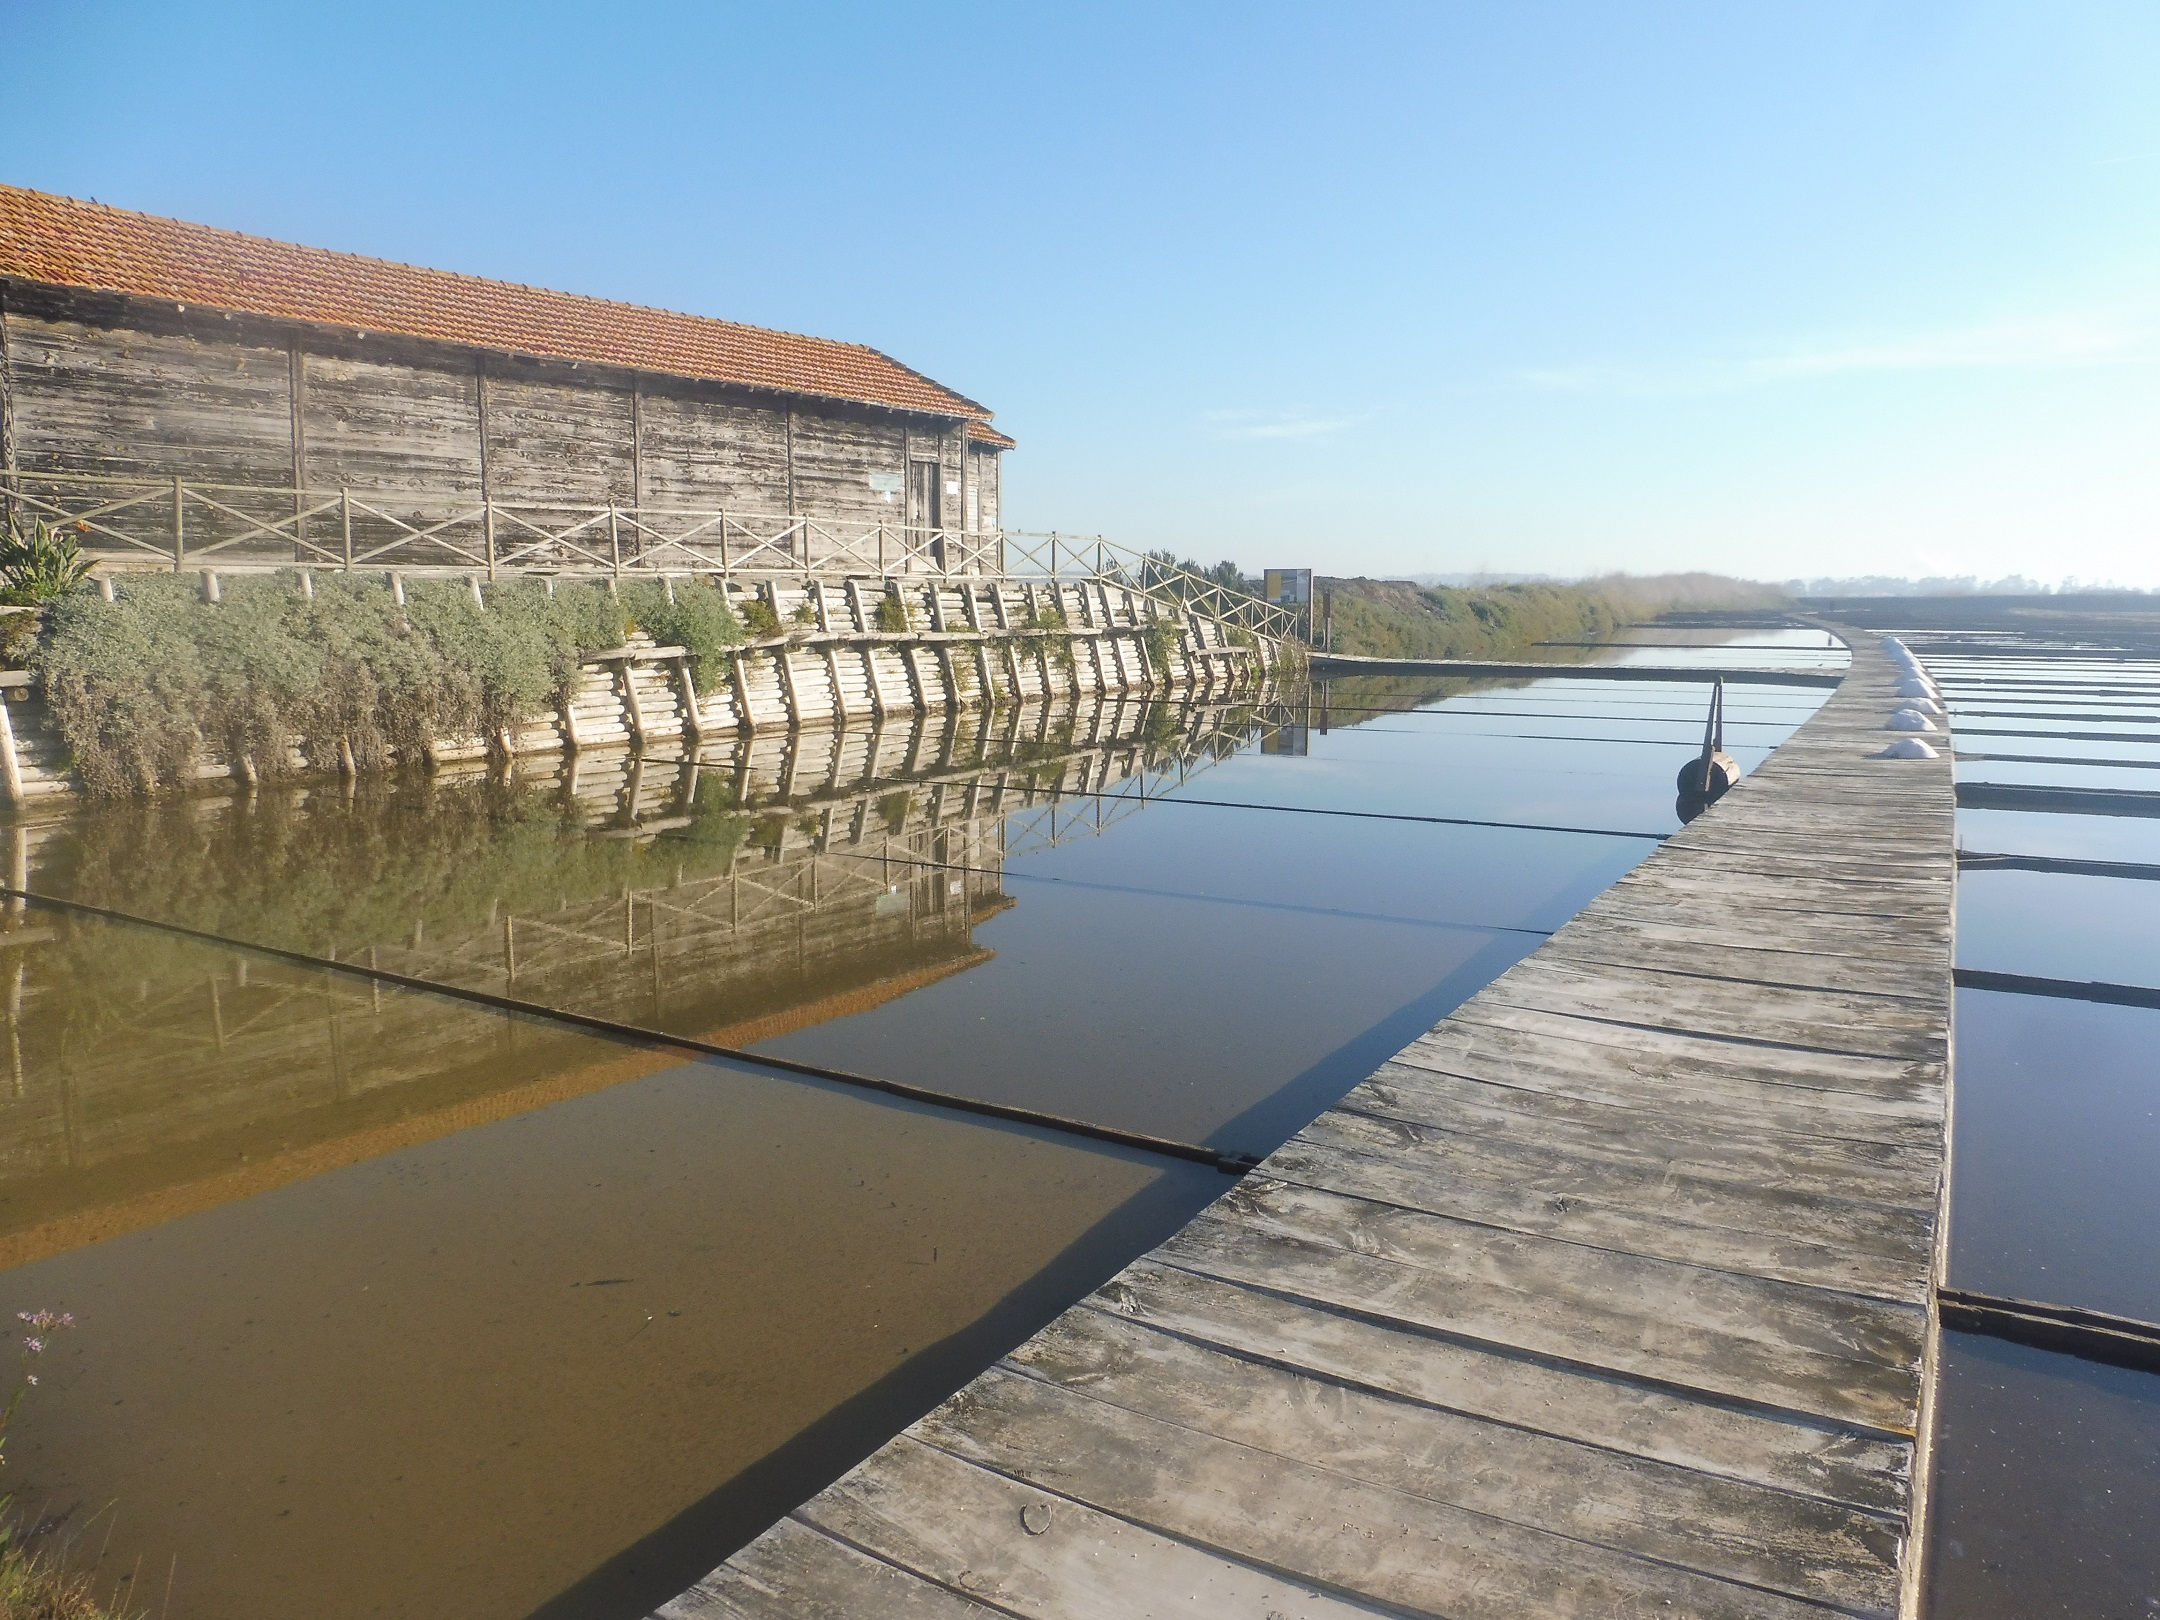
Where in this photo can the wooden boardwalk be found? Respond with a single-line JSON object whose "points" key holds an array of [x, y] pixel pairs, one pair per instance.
{"points": [[1480, 669], [1609, 1296]]}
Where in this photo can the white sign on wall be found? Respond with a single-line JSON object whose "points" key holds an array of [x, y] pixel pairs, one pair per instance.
{"points": [[885, 485]]}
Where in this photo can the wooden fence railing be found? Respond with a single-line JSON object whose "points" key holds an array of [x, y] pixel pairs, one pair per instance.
{"points": [[180, 523]]}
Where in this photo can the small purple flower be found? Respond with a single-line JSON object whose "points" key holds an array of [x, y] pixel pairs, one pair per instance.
{"points": [[34, 1346], [32, 1377]]}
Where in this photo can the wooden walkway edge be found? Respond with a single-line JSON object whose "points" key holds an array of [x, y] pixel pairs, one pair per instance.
{"points": [[1333, 664], [1612, 1295]]}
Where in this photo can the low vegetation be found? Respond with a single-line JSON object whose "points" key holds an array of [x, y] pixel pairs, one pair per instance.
{"points": [[143, 685], [39, 563], [35, 1584], [1397, 619]]}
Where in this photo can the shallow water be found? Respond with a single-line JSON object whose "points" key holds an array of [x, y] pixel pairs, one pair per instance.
{"points": [[2119, 778], [395, 1303], [456, 1339], [2058, 1128], [2060, 926], [2047, 1466], [2132, 839]]}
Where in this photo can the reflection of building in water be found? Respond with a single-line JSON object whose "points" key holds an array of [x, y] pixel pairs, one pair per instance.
{"points": [[776, 881]]}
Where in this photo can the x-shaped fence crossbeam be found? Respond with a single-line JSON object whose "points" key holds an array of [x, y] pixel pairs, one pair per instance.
{"points": [[86, 518]]}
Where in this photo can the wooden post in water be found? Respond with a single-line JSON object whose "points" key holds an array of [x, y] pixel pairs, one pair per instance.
{"points": [[11, 782]]}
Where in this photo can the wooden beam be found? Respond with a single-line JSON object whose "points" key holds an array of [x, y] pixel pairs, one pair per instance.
{"points": [[480, 413], [787, 429], [637, 440], [7, 410]]}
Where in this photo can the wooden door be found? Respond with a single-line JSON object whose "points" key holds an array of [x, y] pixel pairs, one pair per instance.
{"points": [[926, 506]]}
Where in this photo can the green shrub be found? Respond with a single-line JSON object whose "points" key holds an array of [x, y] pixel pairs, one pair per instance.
{"points": [[1162, 644], [698, 619], [125, 683], [141, 686], [892, 615], [1046, 629], [759, 619]]}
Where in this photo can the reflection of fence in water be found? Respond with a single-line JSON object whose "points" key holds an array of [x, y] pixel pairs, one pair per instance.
{"points": [[138, 1062]]}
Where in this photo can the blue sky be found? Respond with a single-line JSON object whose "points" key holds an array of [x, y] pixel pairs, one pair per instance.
{"points": [[1771, 289]]}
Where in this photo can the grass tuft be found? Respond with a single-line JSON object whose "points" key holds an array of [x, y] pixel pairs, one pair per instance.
{"points": [[36, 1586]]}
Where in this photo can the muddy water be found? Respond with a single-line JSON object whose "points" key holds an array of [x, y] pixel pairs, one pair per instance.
{"points": [[461, 1352], [394, 1304]]}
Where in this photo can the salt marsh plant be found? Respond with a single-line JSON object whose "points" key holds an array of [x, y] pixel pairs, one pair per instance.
{"points": [[276, 677]]}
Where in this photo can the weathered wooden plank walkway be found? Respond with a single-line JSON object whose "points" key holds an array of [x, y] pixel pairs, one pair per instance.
{"points": [[1492, 669], [1609, 1296]]}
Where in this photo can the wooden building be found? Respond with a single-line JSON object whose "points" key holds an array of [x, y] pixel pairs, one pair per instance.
{"points": [[139, 348]]}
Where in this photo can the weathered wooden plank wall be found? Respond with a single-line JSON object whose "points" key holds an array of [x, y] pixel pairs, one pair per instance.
{"points": [[559, 433], [700, 450], [147, 404], [100, 384], [390, 428]]}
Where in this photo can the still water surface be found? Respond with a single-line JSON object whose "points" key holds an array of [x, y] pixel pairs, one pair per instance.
{"points": [[2048, 1466], [392, 1303]]}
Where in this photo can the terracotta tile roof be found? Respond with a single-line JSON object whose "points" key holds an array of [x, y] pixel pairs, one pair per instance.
{"points": [[66, 242], [984, 433]]}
